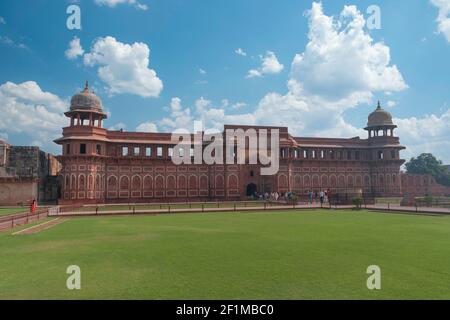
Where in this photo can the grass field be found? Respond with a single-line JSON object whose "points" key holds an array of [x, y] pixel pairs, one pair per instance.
{"points": [[267, 255], [9, 211]]}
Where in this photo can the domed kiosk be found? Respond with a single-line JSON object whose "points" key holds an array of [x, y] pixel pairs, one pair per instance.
{"points": [[380, 123], [86, 109]]}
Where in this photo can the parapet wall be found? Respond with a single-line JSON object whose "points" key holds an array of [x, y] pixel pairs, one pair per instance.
{"points": [[417, 185]]}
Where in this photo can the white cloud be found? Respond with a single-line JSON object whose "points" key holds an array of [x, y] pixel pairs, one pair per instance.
{"points": [[29, 92], [2, 20], [74, 49], [201, 71], [114, 3], [238, 105], [26, 109], [253, 73], [147, 127], [9, 42], [201, 104], [213, 117], [225, 103], [341, 68], [391, 104], [118, 126], [269, 65], [240, 52], [124, 67], [179, 117], [443, 18], [341, 59], [427, 134]]}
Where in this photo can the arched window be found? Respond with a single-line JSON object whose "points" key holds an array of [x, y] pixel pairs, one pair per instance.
{"points": [[81, 182], [219, 181], [136, 183], [182, 182], [359, 181], [90, 182], [112, 183], [282, 181], [159, 183], [74, 183], [325, 181], [350, 181], [316, 182], [341, 181], [367, 180], [193, 182], [306, 181], [171, 182], [233, 181], [333, 181], [124, 183], [203, 182], [298, 182], [148, 183]]}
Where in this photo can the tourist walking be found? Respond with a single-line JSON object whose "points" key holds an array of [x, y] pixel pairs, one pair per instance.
{"points": [[33, 206], [310, 196]]}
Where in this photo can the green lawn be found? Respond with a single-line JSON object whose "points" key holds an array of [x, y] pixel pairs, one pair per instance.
{"points": [[9, 211], [267, 255]]}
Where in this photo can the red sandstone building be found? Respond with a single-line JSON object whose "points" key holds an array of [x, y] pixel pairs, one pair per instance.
{"points": [[104, 166]]}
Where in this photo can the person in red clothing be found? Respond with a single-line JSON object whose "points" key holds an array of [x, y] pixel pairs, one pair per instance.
{"points": [[33, 206]]}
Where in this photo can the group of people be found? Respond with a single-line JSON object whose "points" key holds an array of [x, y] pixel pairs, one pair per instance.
{"points": [[267, 196], [323, 196]]}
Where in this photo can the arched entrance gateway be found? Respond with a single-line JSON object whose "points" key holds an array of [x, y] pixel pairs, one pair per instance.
{"points": [[251, 189]]}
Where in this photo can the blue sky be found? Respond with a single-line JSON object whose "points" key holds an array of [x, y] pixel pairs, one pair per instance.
{"points": [[194, 71]]}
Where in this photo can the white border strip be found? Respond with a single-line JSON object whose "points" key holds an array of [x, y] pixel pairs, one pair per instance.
{"points": [[38, 225]]}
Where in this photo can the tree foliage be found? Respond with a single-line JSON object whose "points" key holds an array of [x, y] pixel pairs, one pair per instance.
{"points": [[426, 163]]}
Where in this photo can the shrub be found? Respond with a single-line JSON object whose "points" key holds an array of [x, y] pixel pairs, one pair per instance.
{"points": [[429, 200], [357, 202]]}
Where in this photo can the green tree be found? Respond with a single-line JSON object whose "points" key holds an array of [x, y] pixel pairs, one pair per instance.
{"points": [[426, 163]]}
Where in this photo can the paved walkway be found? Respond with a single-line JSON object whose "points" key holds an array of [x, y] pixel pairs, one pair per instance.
{"points": [[40, 227], [385, 207]]}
